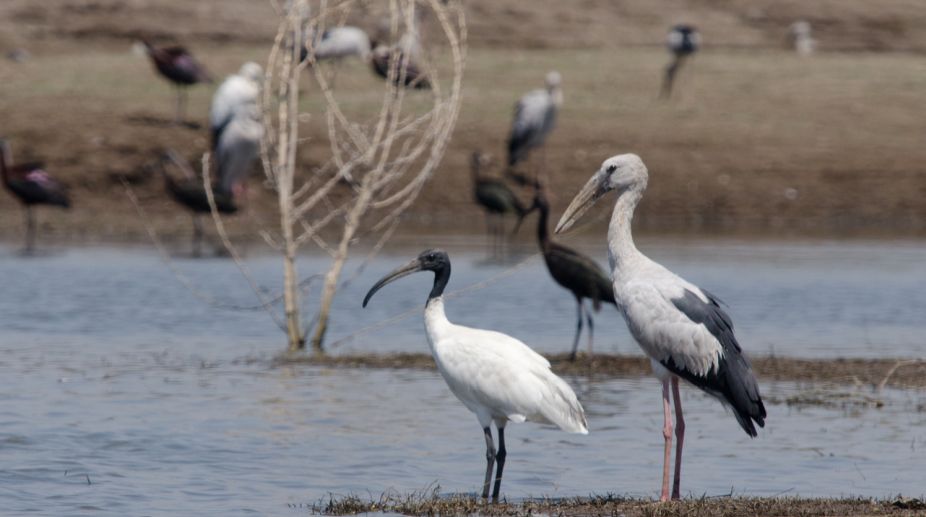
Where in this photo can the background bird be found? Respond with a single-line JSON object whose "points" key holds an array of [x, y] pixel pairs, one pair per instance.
{"points": [[237, 148], [802, 38], [178, 66], [338, 43], [496, 199], [534, 118], [188, 191], [405, 67], [497, 377], [581, 275], [32, 185], [682, 41], [681, 327], [236, 91]]}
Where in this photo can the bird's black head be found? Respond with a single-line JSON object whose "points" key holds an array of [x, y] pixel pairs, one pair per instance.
{"points": [[435, 260]]}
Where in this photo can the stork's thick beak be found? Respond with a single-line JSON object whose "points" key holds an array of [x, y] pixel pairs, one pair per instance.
{"points": [[412, 267], [581, 203]]}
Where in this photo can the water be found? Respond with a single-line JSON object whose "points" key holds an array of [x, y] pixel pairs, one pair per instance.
{"points": [[121, 393]]}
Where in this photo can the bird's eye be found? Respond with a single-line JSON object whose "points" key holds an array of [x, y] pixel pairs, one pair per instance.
{"points": [[612, 168]]}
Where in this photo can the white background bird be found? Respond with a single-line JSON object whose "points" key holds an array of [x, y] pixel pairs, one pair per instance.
{"points": [[340, 42], [494, 375], [534, 118], [681, 327], [238, 147], [236, 92]]}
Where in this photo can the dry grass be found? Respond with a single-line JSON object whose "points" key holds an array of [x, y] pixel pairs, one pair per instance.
{"points": [[613, 505], [758, 141]]}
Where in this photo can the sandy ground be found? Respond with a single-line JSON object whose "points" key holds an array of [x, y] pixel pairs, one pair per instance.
{"points": [[757, 142]]}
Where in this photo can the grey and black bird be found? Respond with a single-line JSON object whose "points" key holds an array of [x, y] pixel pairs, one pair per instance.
{"points": [[683, 41], [496, 198]]}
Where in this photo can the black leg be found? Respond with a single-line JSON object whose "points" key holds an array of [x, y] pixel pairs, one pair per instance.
{"points": [[575, 342], [500, 458], [490, 459], [30, 231], [197, 236], [591, 330]]}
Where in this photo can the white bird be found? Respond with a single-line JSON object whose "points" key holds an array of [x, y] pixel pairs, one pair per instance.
{"points": [[494, 375], [681, 327], [802, 38], [338, 43], [534, 117], [236, 92], [238, 147], [682, 41]]}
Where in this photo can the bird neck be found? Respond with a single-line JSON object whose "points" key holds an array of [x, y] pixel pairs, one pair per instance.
{"points": [[621, 248], [441, 277], [543, 233]]}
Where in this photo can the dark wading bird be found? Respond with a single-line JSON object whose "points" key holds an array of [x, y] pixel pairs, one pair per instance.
{"points": [[683, 41], [534, 118], [404, 67], [497, 199], [178, 66], [582, 276], [681, 327], [32, 185], [494, 375]]}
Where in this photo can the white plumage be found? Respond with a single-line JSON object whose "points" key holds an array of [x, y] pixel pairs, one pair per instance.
{"points": [[681, 327], [497, 377], [342, 42], [534, 117], [238, 147], [235, 92]]}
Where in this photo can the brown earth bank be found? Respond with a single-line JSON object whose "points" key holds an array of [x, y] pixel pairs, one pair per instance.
{"points": [[757, 142], [869, 373], [725, 506]]}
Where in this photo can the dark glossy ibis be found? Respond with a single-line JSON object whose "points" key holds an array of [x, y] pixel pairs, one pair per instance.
{"points": [[682, 41], [496, 198], [381, 60], [582, 276], [178, 66], [32, 185], [189, 192]]}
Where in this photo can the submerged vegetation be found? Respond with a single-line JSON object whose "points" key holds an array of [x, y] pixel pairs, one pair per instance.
{"points": [[432, 504]]}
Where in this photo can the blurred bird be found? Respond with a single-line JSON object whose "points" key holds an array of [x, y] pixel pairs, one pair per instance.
{"points": [[582, 276], [494, 375], [496, 198], [236, 92], [382, 60], [32, 185], [178, 66], [238, 147], [683, 41], [802, 38], [681, 327], [338, 43], [534, 118]]}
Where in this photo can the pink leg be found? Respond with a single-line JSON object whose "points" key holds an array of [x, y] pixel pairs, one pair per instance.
{"points": [[667, 434], [680, 438]]}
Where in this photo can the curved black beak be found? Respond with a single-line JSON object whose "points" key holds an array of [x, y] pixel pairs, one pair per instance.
{"points": [[412, 267]]}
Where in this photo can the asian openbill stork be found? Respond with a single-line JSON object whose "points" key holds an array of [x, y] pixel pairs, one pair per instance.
{"points": [[237, 91], [338, 43], [496, 198], [494, 375], [32, 185], [178, 66], [534, 118], [683, 41], [681, 327], [405, 67], [582, 276]]}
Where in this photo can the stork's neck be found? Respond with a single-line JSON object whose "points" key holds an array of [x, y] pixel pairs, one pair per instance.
{"points": [[621, 248], [556, 95]]}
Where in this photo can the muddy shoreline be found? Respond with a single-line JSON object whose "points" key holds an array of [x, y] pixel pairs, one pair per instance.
{"points": [[867, 373]]}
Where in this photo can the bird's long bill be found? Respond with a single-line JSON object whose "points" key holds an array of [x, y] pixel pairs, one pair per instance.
{"points": [[407, 269], [580, 204]]}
